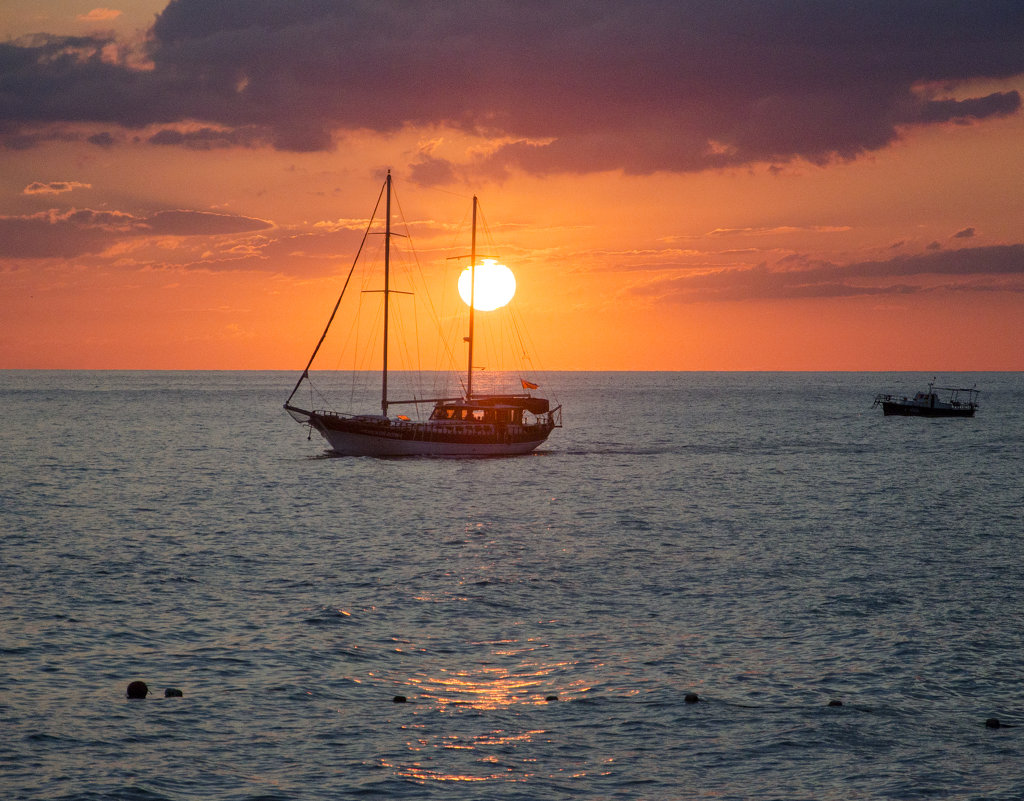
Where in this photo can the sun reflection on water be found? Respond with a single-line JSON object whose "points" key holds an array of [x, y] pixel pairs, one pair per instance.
{"points": [[465, 744], [486, 687], [492, 767]]}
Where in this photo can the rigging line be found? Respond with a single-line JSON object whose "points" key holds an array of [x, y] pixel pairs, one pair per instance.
{"points": [[447, 192], [359, 368], [410, 346], [404, 267], [528, 347], [482, 225], [354, 384], [351, 354], [451, 324], [453, 331], [434, 312], [515, 330], [503, 319], [369, 225], [368, 318]]}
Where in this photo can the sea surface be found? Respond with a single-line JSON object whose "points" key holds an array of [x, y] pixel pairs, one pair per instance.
{"points": [[768, 541]]}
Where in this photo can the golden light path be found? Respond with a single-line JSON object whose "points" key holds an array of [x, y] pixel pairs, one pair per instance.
{"points": [[461, 694], [494, 286]]}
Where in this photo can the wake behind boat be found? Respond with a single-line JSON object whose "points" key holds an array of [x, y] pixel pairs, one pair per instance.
{"points": [[502, 423], [956, 402]]}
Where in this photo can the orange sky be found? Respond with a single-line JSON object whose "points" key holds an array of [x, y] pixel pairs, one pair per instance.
{"points": [[182, 241]]}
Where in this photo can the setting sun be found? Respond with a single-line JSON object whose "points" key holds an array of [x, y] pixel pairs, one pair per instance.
{"points": [[494, 286]]}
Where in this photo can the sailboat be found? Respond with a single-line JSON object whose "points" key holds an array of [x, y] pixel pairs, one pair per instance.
{"points": [[470, 424]]}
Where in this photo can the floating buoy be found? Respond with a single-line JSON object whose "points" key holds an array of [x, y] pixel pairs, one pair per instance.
{"points": [[399, 699], [835, 703], [551, 698], [137, 689], [691, 698], [173, 692], [993, 723]]}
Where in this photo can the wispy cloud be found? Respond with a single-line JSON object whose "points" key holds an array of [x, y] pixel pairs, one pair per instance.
{"points": [[100, 15], [53, 187], [778, 229]]}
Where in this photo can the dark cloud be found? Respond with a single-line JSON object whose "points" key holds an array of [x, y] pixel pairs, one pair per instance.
{"points": [[79, 232], [102, 139], [42, 236], [198, 223], [797, 277], [992, 260], [431, 171], [573, 86], [966, 233]]}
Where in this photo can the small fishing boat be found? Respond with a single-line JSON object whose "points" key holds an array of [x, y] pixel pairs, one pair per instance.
{"points": [[955, 402], [471, 423]]}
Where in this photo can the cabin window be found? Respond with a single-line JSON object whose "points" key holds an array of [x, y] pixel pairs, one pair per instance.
{"points": [[478, 415]]}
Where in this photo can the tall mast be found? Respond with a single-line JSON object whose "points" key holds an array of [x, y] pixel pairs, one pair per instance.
{"points": [[472, 300], [387, 295]]}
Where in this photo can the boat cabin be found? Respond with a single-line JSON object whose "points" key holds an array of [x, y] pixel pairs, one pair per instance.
{"points": [[507, 409]]}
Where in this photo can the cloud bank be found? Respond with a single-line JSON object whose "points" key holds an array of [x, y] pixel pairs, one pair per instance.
{"points": [[77, 232], [797, 277], [642, 86]]}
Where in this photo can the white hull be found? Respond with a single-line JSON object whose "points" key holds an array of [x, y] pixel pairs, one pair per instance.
{"points": [[373, 435], [348, 444]]}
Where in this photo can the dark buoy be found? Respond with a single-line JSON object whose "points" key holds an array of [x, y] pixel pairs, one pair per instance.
{"points": [[993, 723], [173, 692], [399, 699], [137, 689], [835, 703], [551, 698], [691, 698]]}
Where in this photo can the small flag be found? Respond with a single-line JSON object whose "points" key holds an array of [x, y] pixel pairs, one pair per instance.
{"points": [[528, 384]]}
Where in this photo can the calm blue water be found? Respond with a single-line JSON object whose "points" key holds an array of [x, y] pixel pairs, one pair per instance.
{"points": [[768, 541]]}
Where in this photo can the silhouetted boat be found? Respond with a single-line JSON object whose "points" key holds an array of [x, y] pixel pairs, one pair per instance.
{"points": [[472, 424], [957, 402]]}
